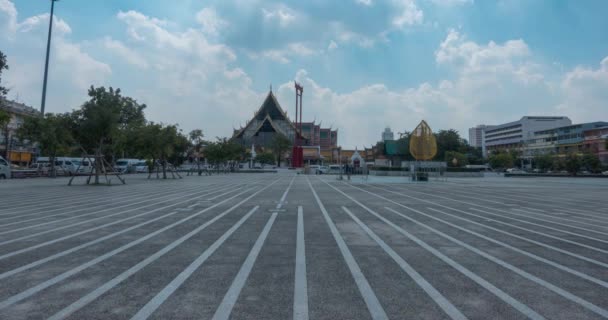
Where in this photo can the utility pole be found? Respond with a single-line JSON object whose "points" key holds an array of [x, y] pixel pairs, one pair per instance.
{"points": [[48, 52]]}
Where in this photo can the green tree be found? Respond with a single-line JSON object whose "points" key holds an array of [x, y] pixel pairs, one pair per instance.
{"points": [[448, 140], [544, 162], [280, 145], [106, 124], [461, 159], [5, 119], [51, 132], [591, 162], [501, 160], [162, 144], [196, 140], [572, 163], [3, 66], [265, 158]]}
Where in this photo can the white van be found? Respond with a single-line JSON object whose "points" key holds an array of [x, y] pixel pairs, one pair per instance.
{"points": [[67, 165], [5, 169], [126, 165]]}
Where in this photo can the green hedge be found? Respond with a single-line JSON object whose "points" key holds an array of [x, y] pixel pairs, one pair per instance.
{"points": [[450, 169]]}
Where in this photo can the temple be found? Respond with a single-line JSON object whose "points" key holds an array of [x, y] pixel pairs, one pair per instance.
{"points": [[270, 119]]}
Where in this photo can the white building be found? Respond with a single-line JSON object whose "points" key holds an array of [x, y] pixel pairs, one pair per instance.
{"points": [[512, 135], [476, 135], [387, 135]]}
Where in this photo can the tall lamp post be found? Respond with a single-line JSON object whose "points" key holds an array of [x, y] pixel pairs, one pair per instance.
{"points": [[48, 52]]}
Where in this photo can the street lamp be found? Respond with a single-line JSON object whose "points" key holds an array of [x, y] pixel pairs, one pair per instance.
{"points": [[48, 52]]}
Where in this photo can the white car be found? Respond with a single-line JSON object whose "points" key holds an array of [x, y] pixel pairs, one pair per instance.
{"points": [[141, 167], [323, 170], [5, 169]]}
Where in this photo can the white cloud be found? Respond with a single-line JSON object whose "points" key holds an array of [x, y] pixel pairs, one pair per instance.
{"points": [[450, 3], [283, 15], [78, 66], [130, 56], [585, 92], [8, 12], [365, 2], [332, 46], [409, 15], [42, 21], [283, 55], [71, 71], [210, 21]]}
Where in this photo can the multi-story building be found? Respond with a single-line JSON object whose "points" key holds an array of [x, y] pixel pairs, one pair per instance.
{"points": [[513, 135], [16, 150], [388, 135], [560, 140], [596, 141], [477, 138]]}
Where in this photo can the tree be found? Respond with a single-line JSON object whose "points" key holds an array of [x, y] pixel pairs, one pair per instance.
{"points": [[544, 162], [280, 145], [163, 144], [196, 140], [448, 140], [106, 123], [572, 163], [591, 162], [5, 119], [265, 158], [3, 66], [461, 159], [51, 132], [501, 160]]}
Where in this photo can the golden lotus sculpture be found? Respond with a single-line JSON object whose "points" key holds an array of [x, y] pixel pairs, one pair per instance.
{"points": [[423, 145]]}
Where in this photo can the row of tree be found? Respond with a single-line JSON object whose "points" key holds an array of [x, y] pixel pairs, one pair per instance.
{"points": [[572, 163]]}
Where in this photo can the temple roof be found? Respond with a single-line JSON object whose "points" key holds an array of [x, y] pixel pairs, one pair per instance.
{"points": [[271, 110]]}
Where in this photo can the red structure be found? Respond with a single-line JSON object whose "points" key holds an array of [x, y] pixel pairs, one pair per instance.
{"points": [[297, 153]]}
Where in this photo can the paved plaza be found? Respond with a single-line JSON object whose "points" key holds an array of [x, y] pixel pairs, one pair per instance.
{"points": [[286, 246]]}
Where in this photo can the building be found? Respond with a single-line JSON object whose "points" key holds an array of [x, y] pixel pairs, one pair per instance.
{"points": [[561, 140], [596, 142], [270, 119], [513, 135], [15, 150], [477, 137], [388, 135]]}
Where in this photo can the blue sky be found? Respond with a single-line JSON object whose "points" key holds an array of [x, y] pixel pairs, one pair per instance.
{"points": [[365, 64]]}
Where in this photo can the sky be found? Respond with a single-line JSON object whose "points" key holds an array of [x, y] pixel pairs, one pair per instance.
{"points": [[364, 64]]}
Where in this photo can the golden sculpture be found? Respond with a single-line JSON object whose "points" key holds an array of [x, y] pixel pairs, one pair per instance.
{"points": [[423, 145]]}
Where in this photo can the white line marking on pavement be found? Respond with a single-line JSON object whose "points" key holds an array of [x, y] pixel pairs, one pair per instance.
{"points": [[599, 263], [586, 304], [164, 294], [300, 294], [171, 287], [439, 299], [40, 245], [524, 309], [373, 305], [526, 253], [225, 308], [33, 290]]}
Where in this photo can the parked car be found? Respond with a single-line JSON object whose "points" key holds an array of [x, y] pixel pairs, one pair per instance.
{"points": [[323, 170], [605, 173], [141, 167], [44, 168], [68, 165], [126, 165], [5, 169]]}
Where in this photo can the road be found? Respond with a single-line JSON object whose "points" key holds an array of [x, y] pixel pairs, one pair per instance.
{"points": [[285, 246]]}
